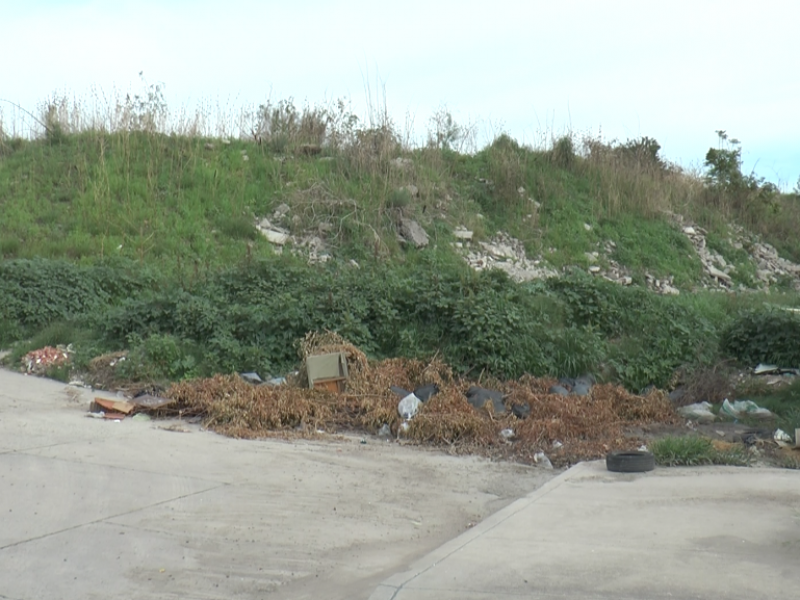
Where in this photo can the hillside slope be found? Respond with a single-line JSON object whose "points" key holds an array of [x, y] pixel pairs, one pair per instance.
{"points": [[207, 255]]}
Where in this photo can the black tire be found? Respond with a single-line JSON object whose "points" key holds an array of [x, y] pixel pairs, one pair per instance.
{"points": [[637, 461]]}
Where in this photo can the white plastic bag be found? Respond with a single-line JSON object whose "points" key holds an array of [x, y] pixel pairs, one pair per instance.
{"points": [[409, 406], [744, 408], [701, 411]]}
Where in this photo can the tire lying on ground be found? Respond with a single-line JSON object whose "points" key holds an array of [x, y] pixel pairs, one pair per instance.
{"points": [[637, 461]]}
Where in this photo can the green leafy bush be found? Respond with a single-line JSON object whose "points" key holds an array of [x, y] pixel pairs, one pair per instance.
{"points": [[764, 336]]}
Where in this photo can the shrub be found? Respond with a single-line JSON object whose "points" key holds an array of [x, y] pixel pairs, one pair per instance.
{"points": [[763, 336]]}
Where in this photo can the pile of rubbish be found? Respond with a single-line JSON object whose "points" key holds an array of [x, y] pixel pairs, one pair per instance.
{"points": [[530, 419], [37, 362]]}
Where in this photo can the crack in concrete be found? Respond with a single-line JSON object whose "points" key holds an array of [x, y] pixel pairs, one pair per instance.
{"points": [[107, 518]]}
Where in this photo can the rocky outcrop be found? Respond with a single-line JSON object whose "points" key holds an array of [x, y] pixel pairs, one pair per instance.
{"points": [[502, 252]]}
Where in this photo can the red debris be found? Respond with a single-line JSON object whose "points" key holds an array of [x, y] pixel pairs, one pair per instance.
{"points": [[38, 361]]}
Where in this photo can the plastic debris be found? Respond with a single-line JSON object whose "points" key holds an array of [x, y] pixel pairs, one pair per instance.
{"points": [[540, 458], [251, 377], [763, 369], [150, 402], [478, 397], [385, 431], [783, 439], [426, 392], [700, 411], [402, 392], [744, 408], [521, 411], [507, 434], [408, 407]]}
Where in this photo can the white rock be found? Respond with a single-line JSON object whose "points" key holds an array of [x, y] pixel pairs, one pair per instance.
{"points": [[275, 237], [668, 289], [462, 233], [715, 272]]}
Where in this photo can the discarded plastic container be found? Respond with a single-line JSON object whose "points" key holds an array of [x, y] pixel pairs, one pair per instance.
{"points": [[744, 408], [409, 406]]}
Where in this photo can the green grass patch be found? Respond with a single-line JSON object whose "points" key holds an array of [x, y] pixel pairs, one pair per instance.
{"points": [[693, 451]]}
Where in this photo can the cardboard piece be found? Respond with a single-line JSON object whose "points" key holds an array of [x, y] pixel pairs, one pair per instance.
{"points": [[327, 371], [120, 407]]}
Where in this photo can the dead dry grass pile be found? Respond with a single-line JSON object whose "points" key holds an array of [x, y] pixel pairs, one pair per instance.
{"points": [[566, 428]]}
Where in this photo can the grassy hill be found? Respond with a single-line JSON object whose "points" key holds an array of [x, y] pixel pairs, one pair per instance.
{"points": [[126, 236]]}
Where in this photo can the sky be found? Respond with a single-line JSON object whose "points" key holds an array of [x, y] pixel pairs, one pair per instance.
{"points": [[675, 71]]}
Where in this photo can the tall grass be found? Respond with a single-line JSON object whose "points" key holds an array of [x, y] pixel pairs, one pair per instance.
{"points": [[122, 174]]}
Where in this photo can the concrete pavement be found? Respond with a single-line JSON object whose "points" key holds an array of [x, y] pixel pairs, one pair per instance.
{"points": [[704, 533], [149, 510]]}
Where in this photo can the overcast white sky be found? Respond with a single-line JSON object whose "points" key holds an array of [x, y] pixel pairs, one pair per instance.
{"points": [[675, 71]]}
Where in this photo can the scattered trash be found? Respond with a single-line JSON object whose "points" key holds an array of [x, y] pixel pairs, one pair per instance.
{"points": [[402, 392], [744, 408], [113, 409], [557, 444], [540, 458], [638, 461], [150, 402], [763, 369], [276, 381], [425, 392], [409, 406], [141, 417], [478, 397], [507, 434], [327, 371], [38, 361], [385, 431], [783, 439], [521, 411], [700, 411], [251, 377], [580, 389]]}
